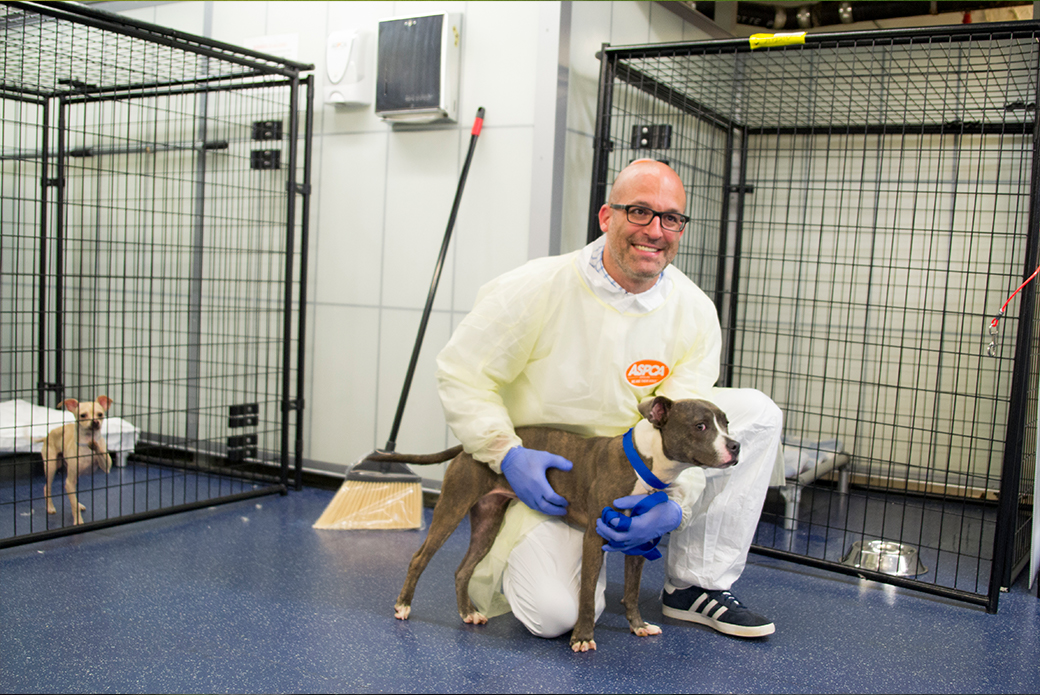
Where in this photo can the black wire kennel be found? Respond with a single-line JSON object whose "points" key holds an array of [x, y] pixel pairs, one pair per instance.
{"points": [[862, 204], [153, 237]]}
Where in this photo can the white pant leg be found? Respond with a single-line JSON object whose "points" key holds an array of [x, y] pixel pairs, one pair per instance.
{"points": [[543, 579], [711, 552]]}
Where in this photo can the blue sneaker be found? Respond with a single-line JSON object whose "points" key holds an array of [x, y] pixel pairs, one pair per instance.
{"points": [[719, 610]]}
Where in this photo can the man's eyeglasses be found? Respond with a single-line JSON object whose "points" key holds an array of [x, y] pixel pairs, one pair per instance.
{"points": [[643, 216]]}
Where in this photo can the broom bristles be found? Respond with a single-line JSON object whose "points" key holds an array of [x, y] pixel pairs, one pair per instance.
{"points": [[370, 505]]}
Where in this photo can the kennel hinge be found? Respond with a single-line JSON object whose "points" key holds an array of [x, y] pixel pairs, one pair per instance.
{"points": [[299, 188], [241, 447], [244, 415], [241, 441], [49, 386], [265, 159], [50, 183], [652, 137], [267, 130], [293, 404]]}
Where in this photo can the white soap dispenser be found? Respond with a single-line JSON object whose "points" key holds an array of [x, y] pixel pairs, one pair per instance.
{"points": [[349, 67]]}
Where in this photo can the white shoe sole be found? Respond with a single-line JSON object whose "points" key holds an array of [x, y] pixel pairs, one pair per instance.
{"points": [[724, 628]]}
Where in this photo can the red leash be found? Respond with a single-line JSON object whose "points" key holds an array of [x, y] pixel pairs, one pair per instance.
{"points": [[992, 349]]}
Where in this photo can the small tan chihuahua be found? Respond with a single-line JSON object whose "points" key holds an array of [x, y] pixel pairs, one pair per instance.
{"points": [[79, 447]]}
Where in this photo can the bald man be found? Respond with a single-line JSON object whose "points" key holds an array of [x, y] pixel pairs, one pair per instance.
{"points": [[577, 342]]}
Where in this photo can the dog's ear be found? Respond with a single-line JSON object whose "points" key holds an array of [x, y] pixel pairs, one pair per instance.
{"points": [[105, 402], [71, 404], [656, 410]]}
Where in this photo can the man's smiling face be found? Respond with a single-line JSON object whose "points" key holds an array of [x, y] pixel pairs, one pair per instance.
{"points": [[635, 255]]}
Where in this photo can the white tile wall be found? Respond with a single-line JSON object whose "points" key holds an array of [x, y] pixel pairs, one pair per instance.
{"points": [[491, 232], [345, 356], [347, 258], [422, 168], [184, 16], [498, 60], [662, 26], [305, 18], [234, 22], [422, 428]]}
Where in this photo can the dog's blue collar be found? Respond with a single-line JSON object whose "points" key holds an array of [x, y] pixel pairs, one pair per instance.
{"points": [[637, 463]]}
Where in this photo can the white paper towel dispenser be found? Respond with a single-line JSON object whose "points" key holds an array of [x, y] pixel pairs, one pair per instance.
{"points": [[417, 79]]}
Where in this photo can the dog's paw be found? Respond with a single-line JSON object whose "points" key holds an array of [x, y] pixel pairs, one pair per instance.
{"points": [[583, 646], [475, 618], [646, 630], [402, 612]]}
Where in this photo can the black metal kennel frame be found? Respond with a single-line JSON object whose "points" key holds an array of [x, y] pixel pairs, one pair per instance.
{"points": [[153, 239], [862, 206]]}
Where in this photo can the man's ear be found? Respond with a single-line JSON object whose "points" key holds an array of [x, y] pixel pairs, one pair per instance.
{"points": [[604, 218]]}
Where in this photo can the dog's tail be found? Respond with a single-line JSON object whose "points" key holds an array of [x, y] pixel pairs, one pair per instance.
{"points": [[419, 459]]}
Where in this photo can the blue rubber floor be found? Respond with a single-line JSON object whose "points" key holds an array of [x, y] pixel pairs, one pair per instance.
{"points": [[247, 597]]}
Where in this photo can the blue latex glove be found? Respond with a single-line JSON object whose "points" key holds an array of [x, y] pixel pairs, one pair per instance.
{"points": [[646, 527], [525, 471]]}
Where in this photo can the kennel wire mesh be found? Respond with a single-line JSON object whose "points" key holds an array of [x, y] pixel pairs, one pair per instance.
{"points": [[862, 205], [155, 190]]}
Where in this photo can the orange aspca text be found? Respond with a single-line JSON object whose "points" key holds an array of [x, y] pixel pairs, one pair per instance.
{"points": [[646, 372]]}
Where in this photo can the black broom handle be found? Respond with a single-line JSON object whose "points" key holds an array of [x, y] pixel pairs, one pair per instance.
{"points": [[391, 442]]}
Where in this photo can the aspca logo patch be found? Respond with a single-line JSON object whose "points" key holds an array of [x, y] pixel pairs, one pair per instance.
{"points": [[646, 372]]}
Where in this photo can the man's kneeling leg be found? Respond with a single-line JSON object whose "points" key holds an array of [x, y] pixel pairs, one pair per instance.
{"points": [[543, 579]]}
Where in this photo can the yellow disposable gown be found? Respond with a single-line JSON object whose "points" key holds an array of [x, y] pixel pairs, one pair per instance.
{"points": [[540, 348]]}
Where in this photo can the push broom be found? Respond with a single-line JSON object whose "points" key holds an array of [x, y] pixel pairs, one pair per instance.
{"points": [[387, 494]]}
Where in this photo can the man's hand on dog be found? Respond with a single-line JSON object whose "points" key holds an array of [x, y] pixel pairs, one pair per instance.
{"points": [[651, 524], [525, 470]]}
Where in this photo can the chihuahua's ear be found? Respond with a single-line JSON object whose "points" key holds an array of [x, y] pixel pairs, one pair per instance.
{"points": [[71, 404], [105, 402]]}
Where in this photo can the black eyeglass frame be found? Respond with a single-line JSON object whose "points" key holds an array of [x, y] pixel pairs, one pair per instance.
{"points": [[653, 214]]}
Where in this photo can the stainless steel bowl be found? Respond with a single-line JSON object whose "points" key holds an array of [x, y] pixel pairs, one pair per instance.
{"points": [[893, 558]]}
